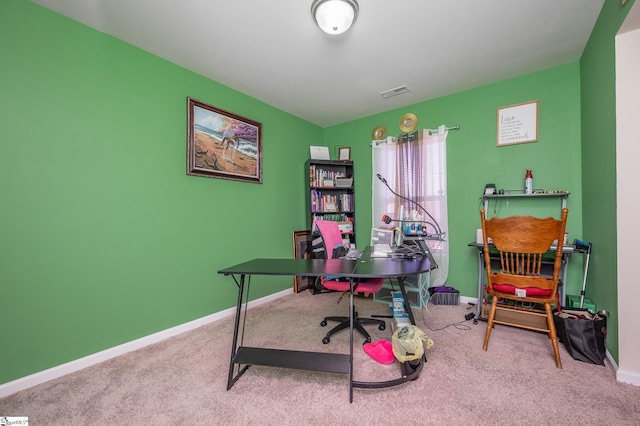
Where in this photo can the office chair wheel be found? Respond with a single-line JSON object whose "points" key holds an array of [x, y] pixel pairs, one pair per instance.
{"points": [[324, 324], [326, 339], [368, 340], [382, 327]]}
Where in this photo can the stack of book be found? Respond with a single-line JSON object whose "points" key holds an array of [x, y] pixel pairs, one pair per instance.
{"points": [[321, 178], [400, 315], [330, 202]]}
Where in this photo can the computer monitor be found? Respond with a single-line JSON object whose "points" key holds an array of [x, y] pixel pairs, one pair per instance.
{"points": [[381, 236], [399, 238]]}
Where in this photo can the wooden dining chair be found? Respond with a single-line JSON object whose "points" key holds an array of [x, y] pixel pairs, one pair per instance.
{"points": [[520, 286]]}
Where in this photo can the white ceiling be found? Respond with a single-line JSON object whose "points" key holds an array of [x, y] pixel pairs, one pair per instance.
{"points": [[273, 51]]}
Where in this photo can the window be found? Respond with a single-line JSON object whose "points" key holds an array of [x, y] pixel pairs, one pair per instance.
{"points": [[415, 168]]}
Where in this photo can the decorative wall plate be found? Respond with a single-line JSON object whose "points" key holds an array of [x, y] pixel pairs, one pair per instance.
{"points": [[379, 133], [408, 122]]}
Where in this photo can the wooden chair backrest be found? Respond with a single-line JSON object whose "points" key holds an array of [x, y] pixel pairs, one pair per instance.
{"points": [[521, 242]]}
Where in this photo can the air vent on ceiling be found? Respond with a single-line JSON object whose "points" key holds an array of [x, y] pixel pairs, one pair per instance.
{"points": [[393, 92]]}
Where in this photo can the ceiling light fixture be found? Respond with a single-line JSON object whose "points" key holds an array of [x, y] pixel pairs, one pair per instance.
{"points": [[334, 16]]}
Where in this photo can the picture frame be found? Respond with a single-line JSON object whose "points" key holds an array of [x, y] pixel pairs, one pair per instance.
{"points": [[344, 153], [517, 123], [319, 152], [221, 144], [301, 250]]}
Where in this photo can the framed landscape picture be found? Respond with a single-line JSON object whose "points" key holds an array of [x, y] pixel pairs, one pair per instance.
{"points": [[301, 250], [221, 144]]}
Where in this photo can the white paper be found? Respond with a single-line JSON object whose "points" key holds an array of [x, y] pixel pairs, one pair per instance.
{"points": [[319, 152]]}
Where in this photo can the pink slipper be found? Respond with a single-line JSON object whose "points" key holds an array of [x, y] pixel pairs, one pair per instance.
{"points": [[380, 350]]}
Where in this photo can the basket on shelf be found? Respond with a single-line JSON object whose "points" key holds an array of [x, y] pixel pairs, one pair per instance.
{"points": [[343, 182]]}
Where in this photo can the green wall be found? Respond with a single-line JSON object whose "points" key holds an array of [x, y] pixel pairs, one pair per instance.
{"points": [[105, 239], [473, 158], [598, 107], [103, 236]]}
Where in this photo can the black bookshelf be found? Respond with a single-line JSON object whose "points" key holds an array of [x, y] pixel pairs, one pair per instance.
{"points": [[330, 194]]}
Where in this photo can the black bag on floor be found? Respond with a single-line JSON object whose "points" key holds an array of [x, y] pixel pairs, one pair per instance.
{"points": [[582, 333]]}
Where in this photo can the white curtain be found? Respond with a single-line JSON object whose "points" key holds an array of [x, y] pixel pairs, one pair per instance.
{"points": [[415, 167]]}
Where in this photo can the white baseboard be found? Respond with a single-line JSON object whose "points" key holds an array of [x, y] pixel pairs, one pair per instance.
{"points": [[621, 375], [632, 377], [465, 299], [17, 385]]}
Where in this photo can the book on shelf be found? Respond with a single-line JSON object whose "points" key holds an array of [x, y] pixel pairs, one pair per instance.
{"points": [[330, 202], [321, 178]]}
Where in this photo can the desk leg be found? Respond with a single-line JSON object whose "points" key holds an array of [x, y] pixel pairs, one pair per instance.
{"points": [[351, 310], [480, 282], [234, 346], [563, 290]]}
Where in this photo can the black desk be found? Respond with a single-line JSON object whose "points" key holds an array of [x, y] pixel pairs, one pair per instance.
{"points": [[366, 267]]}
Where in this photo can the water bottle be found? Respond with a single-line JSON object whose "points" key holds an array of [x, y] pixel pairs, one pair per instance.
{"points": [[528, 182]]}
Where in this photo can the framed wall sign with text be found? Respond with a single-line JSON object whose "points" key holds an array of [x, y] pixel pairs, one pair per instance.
{"points": [[344, 153], [517, 123]]}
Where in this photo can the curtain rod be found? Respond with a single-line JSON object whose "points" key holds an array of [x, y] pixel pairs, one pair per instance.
{"points": [[409, 137], [457, 127]]}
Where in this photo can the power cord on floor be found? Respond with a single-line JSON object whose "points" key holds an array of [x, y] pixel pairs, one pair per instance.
{"points": [[460, 325]]}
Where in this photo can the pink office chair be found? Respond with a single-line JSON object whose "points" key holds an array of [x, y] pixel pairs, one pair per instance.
{"points": [[332, 238]]}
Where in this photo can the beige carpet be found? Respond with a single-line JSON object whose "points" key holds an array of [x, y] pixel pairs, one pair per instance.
{"points": [[183, 379]]}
